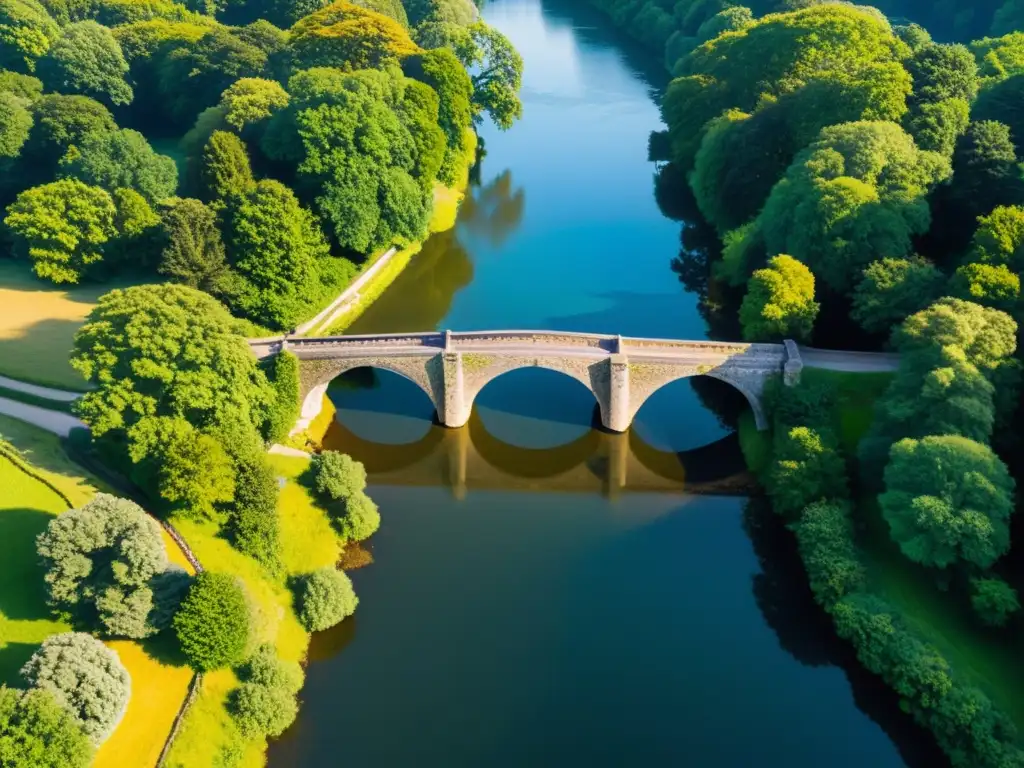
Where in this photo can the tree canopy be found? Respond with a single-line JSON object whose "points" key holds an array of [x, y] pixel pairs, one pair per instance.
{"points": [[87, 59], [36, 731], [947, 499], [780, 302], [165, 350]]}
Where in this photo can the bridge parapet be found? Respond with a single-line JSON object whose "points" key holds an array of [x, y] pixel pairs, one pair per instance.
{"points": [[530, 338]]}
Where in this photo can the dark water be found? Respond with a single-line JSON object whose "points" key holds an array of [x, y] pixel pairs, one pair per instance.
{"points": [[543, 593]]}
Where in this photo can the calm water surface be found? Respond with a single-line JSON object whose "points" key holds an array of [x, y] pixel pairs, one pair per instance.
{"points": [[542, 593]]}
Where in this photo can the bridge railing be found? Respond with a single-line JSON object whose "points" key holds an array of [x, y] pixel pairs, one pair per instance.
{"points": [[559, 338], [430, 339]]}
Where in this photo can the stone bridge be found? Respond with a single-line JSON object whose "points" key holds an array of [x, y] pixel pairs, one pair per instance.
{"points": [[452, 368]]}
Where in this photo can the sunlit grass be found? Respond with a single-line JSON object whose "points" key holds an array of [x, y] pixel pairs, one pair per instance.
{"points": [[308, 540], [158, 690], [38, 323]]}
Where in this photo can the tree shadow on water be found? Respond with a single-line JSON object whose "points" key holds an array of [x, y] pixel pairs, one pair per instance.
{"points": [[805, 631]]}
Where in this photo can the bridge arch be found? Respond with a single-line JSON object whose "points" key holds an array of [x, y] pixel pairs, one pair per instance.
{"points": [[315, 387], [478, 371], [641, 394]]}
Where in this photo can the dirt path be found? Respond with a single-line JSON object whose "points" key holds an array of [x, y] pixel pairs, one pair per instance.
{"points": [[52, 421], [49, 393]]}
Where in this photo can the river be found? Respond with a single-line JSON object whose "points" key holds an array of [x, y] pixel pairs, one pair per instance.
{"points": [[543, 593]]}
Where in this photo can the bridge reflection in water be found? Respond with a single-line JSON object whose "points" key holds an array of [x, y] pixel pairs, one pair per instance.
{"points": [[473, 457]]}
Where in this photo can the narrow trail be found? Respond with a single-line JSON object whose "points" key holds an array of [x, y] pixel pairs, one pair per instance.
{"points": [[49, 393], [52, 421]]}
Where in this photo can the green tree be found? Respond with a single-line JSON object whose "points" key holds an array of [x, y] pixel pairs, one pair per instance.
{"points": [[15, 125], [85, 677], [62, 228], [26, 33], [779, 54], [994, 601], [987, 285], [807, 468], [60, 122], [855, 195], [325, 597], [214, 623], [418, 112], [265, 704], [349, 37], [356, 517], [948, 499], [194, 252], [251, 100], [138, 232], [100, 560], [166, 350], [275, 245], [225, 173], [337, 476], [87, 59], [253, 523], [824, 536], [496, 68], [999, 239], [37, 732], [122, 159], [442, 71], [985, 175], [780, 302], [186, 471], [192, 75], [23, 86], [945, 81], [891, 290]]}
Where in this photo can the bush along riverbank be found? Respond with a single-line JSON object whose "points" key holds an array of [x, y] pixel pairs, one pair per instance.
{"points": [[808, 482]]}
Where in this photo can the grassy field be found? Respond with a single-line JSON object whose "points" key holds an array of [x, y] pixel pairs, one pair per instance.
{"points": [[308, 542], [26, 506], [38, 323]]}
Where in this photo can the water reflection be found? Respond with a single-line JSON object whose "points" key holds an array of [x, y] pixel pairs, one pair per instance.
{"points": [[494, 211], [523, 442], [807, 634]]}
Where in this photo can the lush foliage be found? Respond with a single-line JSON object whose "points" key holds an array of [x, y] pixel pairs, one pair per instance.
{"points": [[948, 499], [325, 597], [100, 561], [780, 302], [340, 479], [166, 351], [893, 289], [36, 731], [214, 623], [122, 159], [193, 253], [86, 59], [994, 601], [265, 703], [85, 677]]}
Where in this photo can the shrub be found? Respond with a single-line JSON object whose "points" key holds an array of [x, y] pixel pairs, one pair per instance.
{"points": [[825, 539], [807, 467], [994, 601], [100, 561], [325, 598], [337, 476], [265, 704], [358, 519], [214, 624], [85, 677], [37, 732]]}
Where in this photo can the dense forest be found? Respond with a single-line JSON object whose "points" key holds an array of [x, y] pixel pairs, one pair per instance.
{"points": [[226, 168], [310, 137]]}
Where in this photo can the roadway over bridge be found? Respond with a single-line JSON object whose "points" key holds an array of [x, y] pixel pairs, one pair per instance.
{"points": [[621, 372]]}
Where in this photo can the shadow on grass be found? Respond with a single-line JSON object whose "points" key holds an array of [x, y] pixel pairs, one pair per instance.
{"points": [[22, 592], [12, 658], [165, 649], [39, 354]]}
